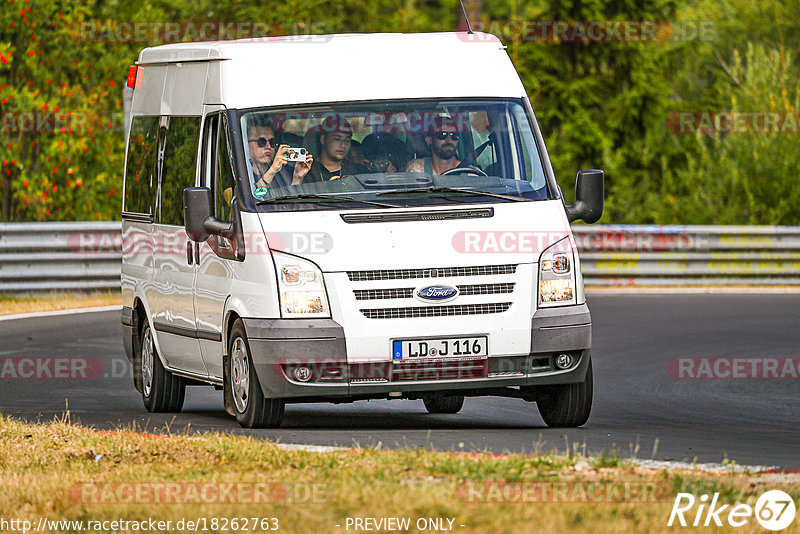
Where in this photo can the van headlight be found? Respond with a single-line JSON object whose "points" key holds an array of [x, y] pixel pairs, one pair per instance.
{"points": [[557, 275], [300, 287]]}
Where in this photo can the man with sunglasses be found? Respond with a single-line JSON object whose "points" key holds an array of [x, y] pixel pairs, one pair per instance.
{"points": [[268, 159], [443, 141]]}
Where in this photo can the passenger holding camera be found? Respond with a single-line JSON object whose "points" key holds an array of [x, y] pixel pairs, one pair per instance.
{"points": [[269, 163]]}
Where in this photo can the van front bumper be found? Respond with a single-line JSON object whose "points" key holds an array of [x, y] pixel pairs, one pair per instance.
{"points": [[307, 359]]}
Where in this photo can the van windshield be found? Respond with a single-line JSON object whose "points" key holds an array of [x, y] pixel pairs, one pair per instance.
{"points": [[392, 154]]}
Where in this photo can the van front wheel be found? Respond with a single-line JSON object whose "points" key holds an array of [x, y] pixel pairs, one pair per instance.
{"points": [[252, 410], [567, 405], [162, 391]]}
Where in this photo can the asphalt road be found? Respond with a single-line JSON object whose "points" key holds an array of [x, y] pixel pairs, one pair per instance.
{"points": [[640, 407]]}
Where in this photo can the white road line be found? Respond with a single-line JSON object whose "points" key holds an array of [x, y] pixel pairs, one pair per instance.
{"points": [[310, 448], [653, 464], [709, 467], [59, 312]]}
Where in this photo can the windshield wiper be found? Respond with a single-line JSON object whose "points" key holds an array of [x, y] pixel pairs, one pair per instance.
{"points": [[450, 190], [316, 198]]}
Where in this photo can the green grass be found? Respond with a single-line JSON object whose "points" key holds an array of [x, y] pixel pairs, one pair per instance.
{"points": [[56, 300], [49, 469]]}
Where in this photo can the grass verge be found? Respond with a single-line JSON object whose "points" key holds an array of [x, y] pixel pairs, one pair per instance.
{"points": [[62, 471], [41, 302]]}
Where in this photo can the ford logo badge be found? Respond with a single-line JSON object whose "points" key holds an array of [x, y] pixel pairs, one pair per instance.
{"points": [[439, 293]]}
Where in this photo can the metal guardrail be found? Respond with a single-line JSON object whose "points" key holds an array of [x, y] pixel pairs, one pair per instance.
{"points": [[86, 255], [48, 256], [636, 255]]}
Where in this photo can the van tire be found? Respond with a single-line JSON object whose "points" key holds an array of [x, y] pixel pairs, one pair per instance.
{"points": [[252, 410], [162, 391], [567, 405], [444, 404]]}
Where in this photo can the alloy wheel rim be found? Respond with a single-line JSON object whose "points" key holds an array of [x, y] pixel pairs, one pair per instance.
{"points": [[147, 364], [240, 375]]}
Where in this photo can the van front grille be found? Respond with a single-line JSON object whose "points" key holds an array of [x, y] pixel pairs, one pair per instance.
{"points": [[486, 289], [408, 292], [435, 311], [435, 272], [376, 294]]}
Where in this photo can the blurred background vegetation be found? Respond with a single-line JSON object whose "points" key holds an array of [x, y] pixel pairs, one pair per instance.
{"points": [[600, 104]]}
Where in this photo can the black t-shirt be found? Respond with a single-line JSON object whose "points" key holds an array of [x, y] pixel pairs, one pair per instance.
{"points": [[320, 173]]}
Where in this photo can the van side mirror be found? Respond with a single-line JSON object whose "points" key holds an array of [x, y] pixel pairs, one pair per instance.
{"points": [[588, 197], [198, 215]]}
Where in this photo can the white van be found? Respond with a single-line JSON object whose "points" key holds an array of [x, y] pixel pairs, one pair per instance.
{"points": [[416, 246]]}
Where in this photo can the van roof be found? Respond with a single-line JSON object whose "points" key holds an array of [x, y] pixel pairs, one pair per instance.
{"points": [[305, 69], [217, 50]]}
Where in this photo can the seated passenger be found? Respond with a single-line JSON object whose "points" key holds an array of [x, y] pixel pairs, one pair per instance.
{"points": [[356, 154], [395, 123], [443, 142], [335, 140], [267, 163], [383, 152]]}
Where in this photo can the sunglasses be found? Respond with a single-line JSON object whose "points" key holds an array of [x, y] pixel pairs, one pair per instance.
{"points": [[262, 142], [441, 136]]}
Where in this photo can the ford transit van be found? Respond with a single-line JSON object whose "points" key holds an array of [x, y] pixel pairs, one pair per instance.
{"points": [[349, 217]]}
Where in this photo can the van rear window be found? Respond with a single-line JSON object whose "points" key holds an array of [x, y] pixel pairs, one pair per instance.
{"points": [[140, 169]]}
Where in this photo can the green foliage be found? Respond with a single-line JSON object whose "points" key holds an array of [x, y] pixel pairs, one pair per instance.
{"points": [[60, 98], [750, 177], [600, 104]]}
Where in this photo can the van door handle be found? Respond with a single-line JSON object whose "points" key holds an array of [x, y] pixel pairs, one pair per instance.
{"points": [[189, 252]]}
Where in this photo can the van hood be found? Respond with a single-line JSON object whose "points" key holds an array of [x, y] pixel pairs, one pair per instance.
{"points": [[441, 236]]}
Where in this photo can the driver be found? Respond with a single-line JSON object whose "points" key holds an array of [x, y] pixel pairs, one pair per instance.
{"points": [[443, 141]]}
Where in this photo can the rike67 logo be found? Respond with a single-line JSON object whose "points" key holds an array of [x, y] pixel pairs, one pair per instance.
{"points": [[774, 510]]}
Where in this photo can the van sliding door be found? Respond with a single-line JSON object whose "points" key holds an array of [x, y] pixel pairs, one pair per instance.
{"points": [[172, 301], [218, 265]]}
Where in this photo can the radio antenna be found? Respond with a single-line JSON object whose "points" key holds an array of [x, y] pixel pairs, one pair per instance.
{"points": [[466, 18]]}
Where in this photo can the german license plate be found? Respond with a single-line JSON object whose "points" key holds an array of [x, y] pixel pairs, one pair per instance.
{"points": [[452, 347]]}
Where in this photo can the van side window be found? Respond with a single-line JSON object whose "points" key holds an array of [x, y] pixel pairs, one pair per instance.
{"points": [[180, 163], [223, 175], [480, 130], [140, 168], [532, 169]]}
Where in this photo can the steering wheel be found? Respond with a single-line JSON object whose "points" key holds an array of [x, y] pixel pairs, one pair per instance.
{"points": [[464, 170]]}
